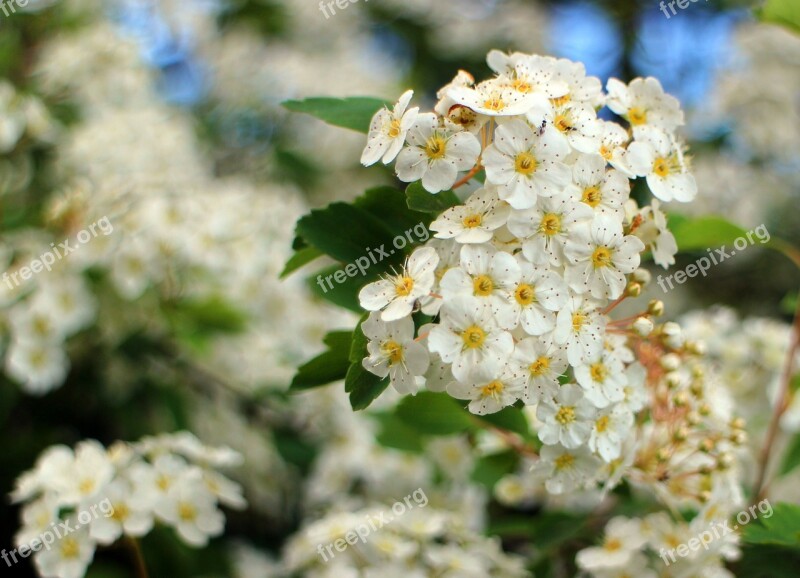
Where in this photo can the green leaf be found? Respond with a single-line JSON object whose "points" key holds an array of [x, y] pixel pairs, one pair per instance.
{"points": [[510, 418], [329, 366], [492, 468], [354, 112], [394, 433], [345, 294], [703, 232], [779, 526], [388, 205], [347, 233], [763, 561], [419, 199], [791, 458], [434, 414], [364, 387], [299, 259], [783, 12]]}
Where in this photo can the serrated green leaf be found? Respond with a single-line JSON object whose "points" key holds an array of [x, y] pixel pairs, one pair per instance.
{"points": [[703, 232], [434, 414], [364, 387], [388, 205], [354, 112], [343, 294], [347, 233], [394, 433], [418, 199], [791, 459], [299, 259], [330, 366], [781, 527]]}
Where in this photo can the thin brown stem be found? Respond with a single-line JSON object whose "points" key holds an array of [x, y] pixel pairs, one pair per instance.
{"points": [[138, 558], [781, 404]]}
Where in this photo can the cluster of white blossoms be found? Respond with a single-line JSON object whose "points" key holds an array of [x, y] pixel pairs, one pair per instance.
{"points": [[522, 277], [77, 500], [420, 543]]}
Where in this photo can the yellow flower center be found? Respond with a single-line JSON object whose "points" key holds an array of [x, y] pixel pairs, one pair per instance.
{"points": [[494, 103], [472, 221], [601, 424], [563, 122], [612, 544], [550, 225], [578, 319], [186, 512], [392, 350], [566, 415], [483, 286], [394, 129], [539, 366], [525, 294], [86, 486], [592, 196], [637, 116], [606, 152], [564, 461], [436, 147], [598, 372], [473, 337], [560, 101], [403, 286], [601, 257], [70, 548], [121, 512], [661, 167], [163, 482], [522, 85], [525, 163], [492, 389]]}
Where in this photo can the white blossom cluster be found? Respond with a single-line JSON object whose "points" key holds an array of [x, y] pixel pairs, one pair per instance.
{"points": [[421, 543], [522, 275], [172, 479]]}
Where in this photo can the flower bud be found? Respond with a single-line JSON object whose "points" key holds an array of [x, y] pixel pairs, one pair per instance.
{"points": [[672, 335], [643, 326], [656, 308], [633, 289], [670, 362], [642, 277]]}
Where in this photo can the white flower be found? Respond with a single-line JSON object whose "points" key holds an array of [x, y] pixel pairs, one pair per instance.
{"points": [[602, 379], [600, 257], [397, 295], [468, 337], [566, 469], [604, 191], [87, 475], [393, 352], [192, 510], [475, 221], [484, 273], [575, 123], [69, 557], [582, 88], [623, 538], [127, 516], [495, 97], [654, 232], [542, 363], [489, 394], [152, 482], [532, 300], [525, 165], [611, 429], [546, 228], [37, 366], [580, 328], [656, 155], [613, 140], [387, 131], [457, 113], [436, 154], [566, 418], [644, 102]]}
